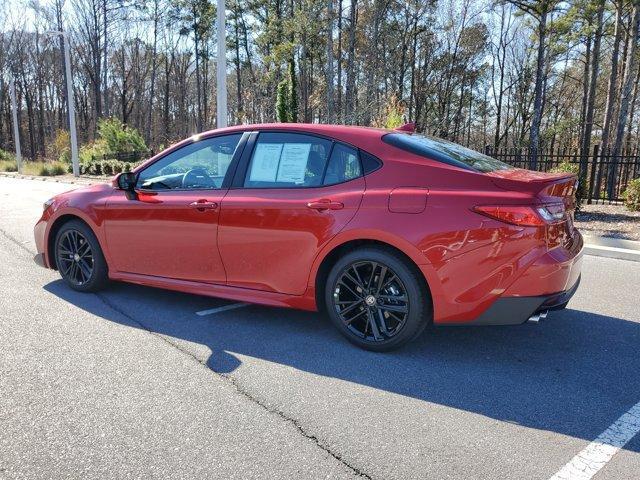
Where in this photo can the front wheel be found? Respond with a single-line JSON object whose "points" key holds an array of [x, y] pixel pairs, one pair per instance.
{"points": [[79, 257], [377, 299]]}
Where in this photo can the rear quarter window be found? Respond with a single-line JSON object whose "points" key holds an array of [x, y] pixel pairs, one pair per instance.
{"points": [[445, 151]]}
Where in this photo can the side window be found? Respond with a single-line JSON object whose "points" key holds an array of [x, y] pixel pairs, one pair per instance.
{"points": [[287, 160], [369, 162], [199, 165], [343, 165]]}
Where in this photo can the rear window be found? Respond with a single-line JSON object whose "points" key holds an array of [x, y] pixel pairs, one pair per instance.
{"points": [[445, 151]]}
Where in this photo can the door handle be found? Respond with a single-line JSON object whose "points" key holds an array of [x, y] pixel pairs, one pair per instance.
{"points": [[325, 204], [202, 205]]}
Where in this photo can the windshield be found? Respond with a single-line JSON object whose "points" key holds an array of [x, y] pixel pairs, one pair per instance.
{"points": [[445, 151]]}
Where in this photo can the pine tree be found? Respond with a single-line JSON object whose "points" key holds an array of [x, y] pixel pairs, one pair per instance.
{"points": [[282, 102], [293, 91]]}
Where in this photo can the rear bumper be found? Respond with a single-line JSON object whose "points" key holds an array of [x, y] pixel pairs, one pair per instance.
{"points": [[517, 310], [505, 283]]}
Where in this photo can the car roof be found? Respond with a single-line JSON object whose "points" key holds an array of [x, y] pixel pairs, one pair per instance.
{"points": [[356, 135]]}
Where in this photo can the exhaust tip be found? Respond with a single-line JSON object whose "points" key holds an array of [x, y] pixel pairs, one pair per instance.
{"points": [[536, 317]]}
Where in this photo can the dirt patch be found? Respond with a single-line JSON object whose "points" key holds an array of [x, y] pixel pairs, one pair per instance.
{"points": [[613, 221]]}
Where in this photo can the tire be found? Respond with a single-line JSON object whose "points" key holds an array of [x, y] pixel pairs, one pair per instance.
{"points": [[399, 302], [79, 258]]}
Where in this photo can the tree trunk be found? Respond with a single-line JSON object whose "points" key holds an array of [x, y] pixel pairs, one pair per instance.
{"points": [[627, 86], [339, 62], [585, 89], [534, 140], [588, 125], [611, 94], [154, 67], [330, 74], [236, 27], [350, 92], [198, 81], [105, 104]]}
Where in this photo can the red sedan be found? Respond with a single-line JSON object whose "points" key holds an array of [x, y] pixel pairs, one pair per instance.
{"points": [[385, 231]]}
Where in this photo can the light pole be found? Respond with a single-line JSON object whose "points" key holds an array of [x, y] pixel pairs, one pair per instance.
{"points": [[16, 129], [221, 71], [70, 106]]}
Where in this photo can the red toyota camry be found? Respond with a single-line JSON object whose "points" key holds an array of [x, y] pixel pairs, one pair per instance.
{"points": [[385, 231]]}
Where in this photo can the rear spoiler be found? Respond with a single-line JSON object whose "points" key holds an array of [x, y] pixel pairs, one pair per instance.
{"points": [[536, 183], [407, 127]]}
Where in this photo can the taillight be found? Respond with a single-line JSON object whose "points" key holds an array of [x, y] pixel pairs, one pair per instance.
{"points": [[552, 213], [524, 215]]}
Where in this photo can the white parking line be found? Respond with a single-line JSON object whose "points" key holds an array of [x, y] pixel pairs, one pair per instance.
{"points": [[222, 309], [596, 455]]}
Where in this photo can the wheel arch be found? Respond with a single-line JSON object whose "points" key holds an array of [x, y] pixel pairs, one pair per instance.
{"points": [[327, 258], [55, 228]]}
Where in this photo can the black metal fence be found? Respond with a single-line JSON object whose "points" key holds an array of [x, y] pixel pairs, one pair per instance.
{"points": [[606, 177]]}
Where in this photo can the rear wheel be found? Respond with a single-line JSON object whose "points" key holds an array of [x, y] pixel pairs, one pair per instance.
{"points": [[79, 257], [377, 299]]}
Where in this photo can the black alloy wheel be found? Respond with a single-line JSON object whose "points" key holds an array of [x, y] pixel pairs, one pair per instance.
{"points": [[79, 258], [377, 298], [371, 300], [74, 257]]}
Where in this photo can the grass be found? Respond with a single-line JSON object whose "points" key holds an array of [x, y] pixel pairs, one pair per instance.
{"points": [[46, 169], [8, 166]]}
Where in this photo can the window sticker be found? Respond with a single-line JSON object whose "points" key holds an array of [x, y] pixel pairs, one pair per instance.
{"points": [[265, 162], [293, 162]]}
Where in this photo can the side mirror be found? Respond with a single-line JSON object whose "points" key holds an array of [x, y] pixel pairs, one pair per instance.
{"points": [[126, 181]]}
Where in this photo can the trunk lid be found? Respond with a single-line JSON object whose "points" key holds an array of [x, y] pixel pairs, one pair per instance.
{"points": [[548, 189]]}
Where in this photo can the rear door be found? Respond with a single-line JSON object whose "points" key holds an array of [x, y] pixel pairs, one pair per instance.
{"points": [[292, 193]]}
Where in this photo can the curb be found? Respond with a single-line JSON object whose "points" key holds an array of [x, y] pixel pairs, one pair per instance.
{"points": [[612, 248], [74, 181], [612, 252]]}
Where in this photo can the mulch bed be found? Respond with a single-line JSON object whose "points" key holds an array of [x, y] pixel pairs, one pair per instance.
{"points": [[613, 221]]}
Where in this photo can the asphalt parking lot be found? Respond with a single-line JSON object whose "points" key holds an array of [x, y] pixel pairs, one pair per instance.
{"points": [[144, 383]]}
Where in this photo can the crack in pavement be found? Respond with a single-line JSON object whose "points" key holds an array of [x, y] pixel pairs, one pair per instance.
{"points": [[227, 378], [239, 389], [22, 245]]}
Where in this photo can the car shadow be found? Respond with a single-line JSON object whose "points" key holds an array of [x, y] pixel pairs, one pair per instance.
{"points": [[574, 374]]}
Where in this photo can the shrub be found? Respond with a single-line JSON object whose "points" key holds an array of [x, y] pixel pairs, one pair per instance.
{"points": [[58, 168], [566, 167], [106, 166], [632, 195], [120, 138], [60, 147], [393, 115], [6, 156]]}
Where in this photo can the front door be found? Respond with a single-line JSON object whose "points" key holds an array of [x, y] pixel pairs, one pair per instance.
{"points": [[170, 228], [296, 192]]}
